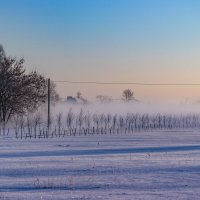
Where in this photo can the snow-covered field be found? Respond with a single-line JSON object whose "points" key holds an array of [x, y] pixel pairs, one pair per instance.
{"points": [[150, 165]]}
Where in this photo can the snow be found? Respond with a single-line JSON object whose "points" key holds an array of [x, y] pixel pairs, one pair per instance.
{"points": [[146, 165]]}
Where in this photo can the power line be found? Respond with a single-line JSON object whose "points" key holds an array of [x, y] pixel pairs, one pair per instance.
{"points": [[127, 83]]}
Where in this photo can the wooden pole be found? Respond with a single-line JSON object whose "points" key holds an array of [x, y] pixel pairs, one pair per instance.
{"points": [[49, 94]]}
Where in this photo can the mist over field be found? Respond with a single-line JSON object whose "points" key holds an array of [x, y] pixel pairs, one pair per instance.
{"points": [[122, 108]]}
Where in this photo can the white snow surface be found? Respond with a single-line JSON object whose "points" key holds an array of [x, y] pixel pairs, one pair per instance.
{"points": [[145, 165]]}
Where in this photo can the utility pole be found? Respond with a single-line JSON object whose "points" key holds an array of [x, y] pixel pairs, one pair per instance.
{"points": [[49, 95]]}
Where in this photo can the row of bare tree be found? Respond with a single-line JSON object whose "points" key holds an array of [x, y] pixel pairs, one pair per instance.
{"points": [[89, 124]]}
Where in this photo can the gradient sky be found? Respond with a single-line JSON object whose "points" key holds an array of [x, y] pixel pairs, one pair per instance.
{"points": [[108, 40]]}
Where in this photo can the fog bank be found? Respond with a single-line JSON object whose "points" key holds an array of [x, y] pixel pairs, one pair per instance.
{"points": [[132, 107]]}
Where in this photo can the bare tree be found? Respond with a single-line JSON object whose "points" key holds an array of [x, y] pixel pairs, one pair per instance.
{"points": [[128, 95], [19, 92], [70, 119], [2, 52], [53, 94], [79, 95], [103, 98], [81, 98]]}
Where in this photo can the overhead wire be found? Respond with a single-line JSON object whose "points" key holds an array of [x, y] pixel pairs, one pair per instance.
{"points": [[127, 83]]}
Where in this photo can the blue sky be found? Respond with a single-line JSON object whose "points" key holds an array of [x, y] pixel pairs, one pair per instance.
{"points": [[107, 40]]}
